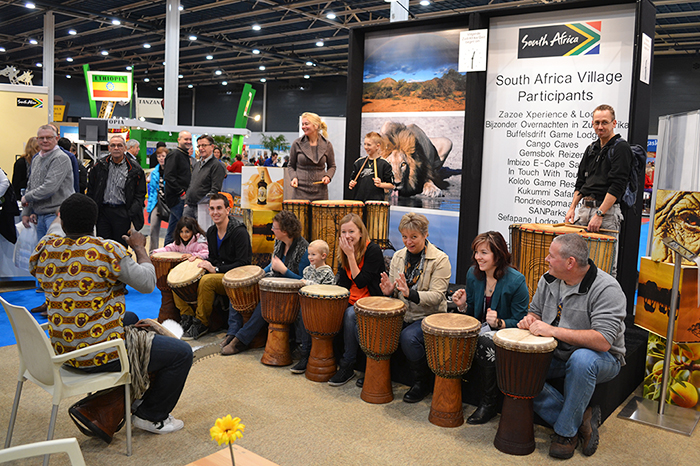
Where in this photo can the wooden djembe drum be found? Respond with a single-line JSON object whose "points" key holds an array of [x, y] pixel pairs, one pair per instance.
{"points": [[241, 285], [163, 262], [279, 301]]}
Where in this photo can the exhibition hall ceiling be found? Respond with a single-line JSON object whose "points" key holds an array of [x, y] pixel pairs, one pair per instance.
{"points": [[234, 41]]}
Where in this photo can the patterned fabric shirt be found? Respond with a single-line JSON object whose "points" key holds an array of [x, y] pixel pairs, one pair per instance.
{"points": [[319, 276], [116, 180], [80, 279]]}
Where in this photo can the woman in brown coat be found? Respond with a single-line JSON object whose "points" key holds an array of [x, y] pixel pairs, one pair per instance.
{"points": [[312, 161]]}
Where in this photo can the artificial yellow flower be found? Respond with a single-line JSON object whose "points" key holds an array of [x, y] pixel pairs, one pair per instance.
{"points": [[227, 430]]}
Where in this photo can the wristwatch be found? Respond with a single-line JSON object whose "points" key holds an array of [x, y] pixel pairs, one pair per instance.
{"points": [[217, 269], [600, 213]]}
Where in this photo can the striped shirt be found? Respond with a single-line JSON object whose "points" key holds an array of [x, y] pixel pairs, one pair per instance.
{"points": [[116, 180]]}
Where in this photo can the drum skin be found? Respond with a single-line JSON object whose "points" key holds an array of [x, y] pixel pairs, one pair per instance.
{"points": [[242, 288], [279, 300], [184, 278]]}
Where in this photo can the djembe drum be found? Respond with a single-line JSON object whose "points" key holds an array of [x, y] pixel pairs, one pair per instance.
{"points": [[279, 300], [377, 222], [529, 243], [302, 209], [184, 278], [379, 324], [322, 309], [450, 343], [163, 262], [241, 285], [325, 219], [522, 362]]}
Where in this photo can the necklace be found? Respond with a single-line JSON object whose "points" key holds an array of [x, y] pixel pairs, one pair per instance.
{"points": [[490, 287]]}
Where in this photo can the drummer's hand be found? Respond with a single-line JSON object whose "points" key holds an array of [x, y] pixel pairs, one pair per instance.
{"points": [[353, 183], [402, 286], [189, 257], [491, 318], [459, 297], [278, 266], [206, 265], [526, 322], [570, 215], [594, 223], [142, 324], [377, 181], [135, 239], [294, 183], [326, 180], [346, 247], [386, 285], [541, 329]]}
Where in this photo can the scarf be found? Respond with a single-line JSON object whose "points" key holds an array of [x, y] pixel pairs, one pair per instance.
{"points": [[294, 256]]}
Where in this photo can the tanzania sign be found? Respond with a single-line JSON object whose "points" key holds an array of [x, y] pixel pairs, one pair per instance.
{"points": [[30, 102], [114, 86], [560, 40]]}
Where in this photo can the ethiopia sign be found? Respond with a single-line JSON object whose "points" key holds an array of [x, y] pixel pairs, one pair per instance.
{"points": [[112, 86], [560, 40]]}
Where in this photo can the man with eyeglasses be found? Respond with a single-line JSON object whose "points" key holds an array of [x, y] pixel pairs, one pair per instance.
{"points": [[50, 182], [602, 178], [177, 176], [207, 176], [117, 184]]}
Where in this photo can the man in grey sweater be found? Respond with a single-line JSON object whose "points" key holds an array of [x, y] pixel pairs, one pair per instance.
{"points": [[50, 182], [207, 176], [584, 309]]}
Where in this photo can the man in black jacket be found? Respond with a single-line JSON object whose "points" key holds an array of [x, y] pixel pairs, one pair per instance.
{"points": [[117, 184], [178, 172], [229, 247]]}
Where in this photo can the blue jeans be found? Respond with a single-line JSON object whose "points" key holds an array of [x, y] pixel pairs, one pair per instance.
{"points": [[411, 341], [584, 369], [175, 215], [42, 224], [351, 340], [251, 328]]}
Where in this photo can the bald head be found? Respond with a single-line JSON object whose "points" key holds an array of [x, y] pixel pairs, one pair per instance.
{"points": [[184, 140]]}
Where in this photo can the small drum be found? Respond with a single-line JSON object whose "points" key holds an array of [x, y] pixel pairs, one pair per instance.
{"points": [[522, 362], [302, 209], [529, 243], [325, 219], [379, 324], [377, 222], [450, 343], [184, 278], [241, 285], [279, 300], [163, 262], [322, 309]]}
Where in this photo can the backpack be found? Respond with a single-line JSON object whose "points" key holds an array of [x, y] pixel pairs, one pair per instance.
{"points": [[639, 161]]}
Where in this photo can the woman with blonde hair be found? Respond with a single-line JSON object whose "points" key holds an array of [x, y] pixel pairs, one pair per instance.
{"points": [[311, 160], [361, 265], [20, 172]]}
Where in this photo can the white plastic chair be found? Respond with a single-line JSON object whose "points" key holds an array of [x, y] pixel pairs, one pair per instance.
{"points": [[64, 445], [39, 364]]}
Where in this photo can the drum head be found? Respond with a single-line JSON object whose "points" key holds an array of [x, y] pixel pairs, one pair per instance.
{"points": [[324, 291], [166, 256], [558, 230], [296, 202], [243, 276], [450, 324], [185, 272], [380, 304], [280, 285], [337, 203], [522, 341]]}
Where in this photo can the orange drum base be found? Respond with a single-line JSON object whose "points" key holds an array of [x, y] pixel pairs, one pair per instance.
{"points": [[168, 310], [277, 351], [446, 408], [321, 366], [516, 434], [377, 386]]}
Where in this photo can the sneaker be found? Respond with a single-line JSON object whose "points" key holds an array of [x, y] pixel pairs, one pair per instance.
{"points": [[166, 426], [196, 330], [589, 430], [186, 322], [563, 447], [300, 367], [343, 376]]}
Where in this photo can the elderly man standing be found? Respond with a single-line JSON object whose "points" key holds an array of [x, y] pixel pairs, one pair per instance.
{"points": [[50, 182], [133, 147], [177, 176], [584, 309], [207, 176], [117, 184]]}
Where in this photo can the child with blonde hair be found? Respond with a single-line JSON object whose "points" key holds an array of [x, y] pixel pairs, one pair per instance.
{"points": [[318, 272]]}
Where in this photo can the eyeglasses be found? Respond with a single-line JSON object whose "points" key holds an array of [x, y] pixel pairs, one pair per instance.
{"points": [[199, 146]]}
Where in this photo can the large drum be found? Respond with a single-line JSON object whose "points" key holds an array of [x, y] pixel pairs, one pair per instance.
{"points": [[529, 243], [522, 362], [450, 343], [325, 219], [184, 278], [279, 300], [322, 309], [163, 262], [377, 222], [241, 285], [302, 209], [379, 324]]}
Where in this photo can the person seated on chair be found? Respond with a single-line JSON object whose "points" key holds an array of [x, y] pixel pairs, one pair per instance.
{"points": [[497, 295], [229, 247], [584, 309], [418, 275], [87, 276]]}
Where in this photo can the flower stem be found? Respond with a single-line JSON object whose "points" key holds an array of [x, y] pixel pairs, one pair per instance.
{"points": [[233, 460]]}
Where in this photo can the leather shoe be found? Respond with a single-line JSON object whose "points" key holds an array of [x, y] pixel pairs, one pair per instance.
{"points": [[483, 414], [43, 309], [234, 347], [360, 382], [589, 430], [563, 447], [227, 340]]}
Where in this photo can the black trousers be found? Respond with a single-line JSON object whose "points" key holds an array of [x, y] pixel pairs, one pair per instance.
{"points": [[113, 222]]}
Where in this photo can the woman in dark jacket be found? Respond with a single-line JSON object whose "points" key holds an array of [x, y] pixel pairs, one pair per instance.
{"points": [[20, 171]]}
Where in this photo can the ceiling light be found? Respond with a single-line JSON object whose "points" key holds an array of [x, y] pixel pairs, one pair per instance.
{"points": [[256, 52], [319, 43], [218, 72], [30, 5], [33, 41], [180, 8], [261, 67], [68, 76], [193, 37], [190, 86], [330, 15], [116, 22], [69, 59], [309, 63], [163, 63], [160, 88], [39, 65], [104, 52], [2, 49], [146, 80], [224, 83], [146, 46], [256, 117], [256, 27], [424, 2], [72, 32], [180, 76], [263, 80], [209, 57], [306, 76], [128, 68]]}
